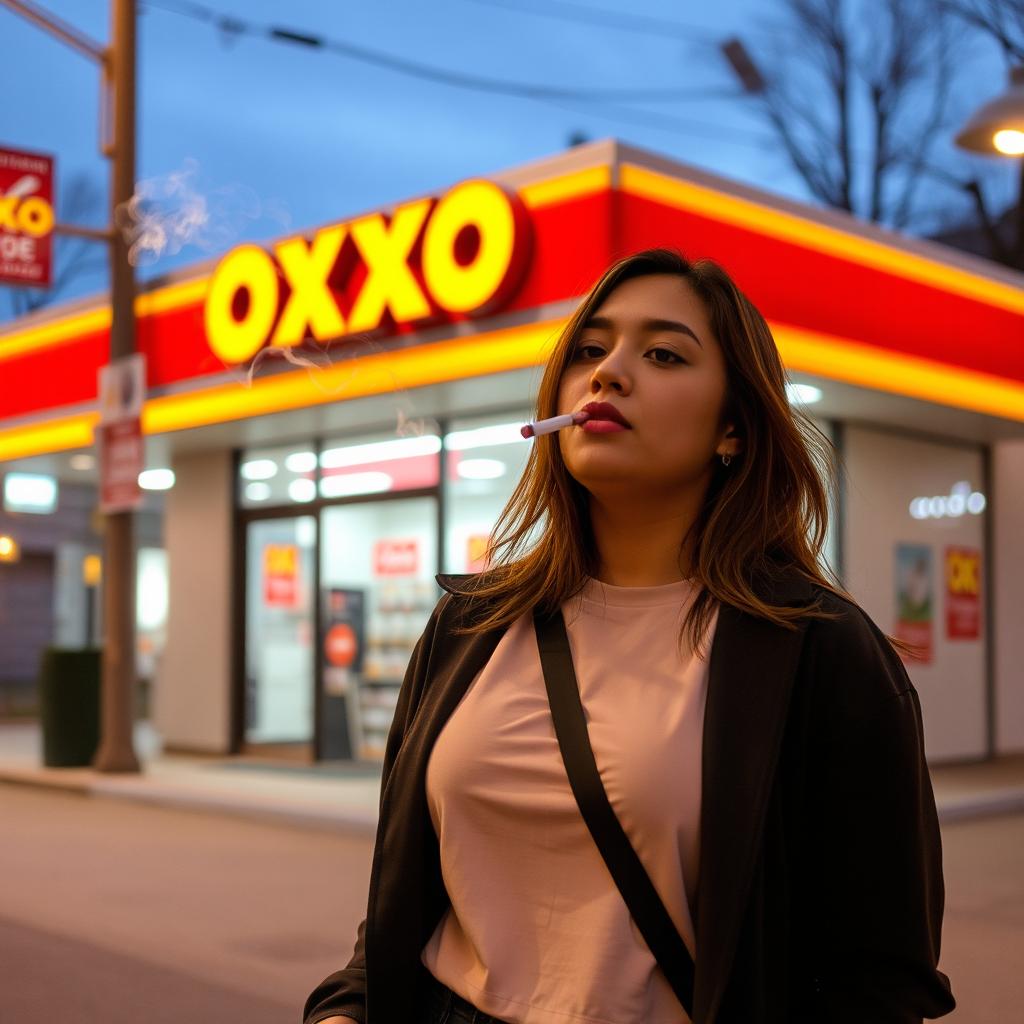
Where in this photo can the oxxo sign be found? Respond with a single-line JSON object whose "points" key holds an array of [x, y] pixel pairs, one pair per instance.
{"points": [[461, 255]]}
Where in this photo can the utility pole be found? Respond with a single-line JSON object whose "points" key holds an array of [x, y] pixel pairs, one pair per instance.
{"points": [[116, 751]]}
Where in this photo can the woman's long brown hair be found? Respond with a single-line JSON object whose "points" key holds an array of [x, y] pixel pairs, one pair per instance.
{"points": [[768, 510]]}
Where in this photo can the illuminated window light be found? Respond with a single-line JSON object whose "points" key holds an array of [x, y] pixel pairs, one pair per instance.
{"points": [[481, 469], [961, 499], [302, 490], [348, 484], [156, 479], [259, 469], [30, 492], [803, 394], [300, 462], [484, 437], [257, 491], [380, 451]]}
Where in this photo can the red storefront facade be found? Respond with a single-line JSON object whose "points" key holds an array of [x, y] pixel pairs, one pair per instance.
{"points": [[337, 409]]}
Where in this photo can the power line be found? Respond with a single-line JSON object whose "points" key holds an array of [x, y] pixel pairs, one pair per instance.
{"points": [[646, 24], [232, 26]]}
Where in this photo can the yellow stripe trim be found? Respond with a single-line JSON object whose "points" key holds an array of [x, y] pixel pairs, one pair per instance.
{"points": [[566, 187], [70, 329], [514, 348], [419, 366], [840, 359], [788, 227], [52, 436]]}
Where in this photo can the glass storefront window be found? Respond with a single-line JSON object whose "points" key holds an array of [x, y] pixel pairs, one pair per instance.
{"points": [[379, 464], [378, 560], [485, 459], [278, 630], [277, 476]]}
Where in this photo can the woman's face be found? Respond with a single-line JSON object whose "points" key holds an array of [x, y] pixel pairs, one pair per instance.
{"points": [[649, 352]]}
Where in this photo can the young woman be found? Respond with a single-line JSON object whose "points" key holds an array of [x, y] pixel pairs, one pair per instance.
{"points": [[756, 734]]}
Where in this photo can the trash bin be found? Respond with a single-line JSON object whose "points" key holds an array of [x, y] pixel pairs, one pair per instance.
{"points": [[69, 706]]}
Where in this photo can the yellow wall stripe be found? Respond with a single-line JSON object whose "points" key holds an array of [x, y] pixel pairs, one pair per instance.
{"points": [[418, 366], [50, 436], [71, 328], [514, 348], [883, 370], [789, 227], [566, 187]]}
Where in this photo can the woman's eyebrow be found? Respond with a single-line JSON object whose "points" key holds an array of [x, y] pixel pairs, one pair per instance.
{"points": [[603, 323]]}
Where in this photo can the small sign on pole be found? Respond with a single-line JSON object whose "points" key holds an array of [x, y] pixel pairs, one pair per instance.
{"points": [[26, 219], [122, 388]]}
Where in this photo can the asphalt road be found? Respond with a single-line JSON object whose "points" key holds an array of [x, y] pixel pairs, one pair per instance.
{"points": [[113, 912]]}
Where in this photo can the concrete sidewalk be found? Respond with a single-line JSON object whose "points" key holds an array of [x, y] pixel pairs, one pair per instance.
{"points": [[344, 797]]}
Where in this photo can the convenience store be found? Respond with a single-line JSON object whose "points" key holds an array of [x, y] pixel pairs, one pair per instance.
{"points": [[340, 411]]}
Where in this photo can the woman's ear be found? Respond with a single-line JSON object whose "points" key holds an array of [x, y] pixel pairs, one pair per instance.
{"points": [[730, 443]]}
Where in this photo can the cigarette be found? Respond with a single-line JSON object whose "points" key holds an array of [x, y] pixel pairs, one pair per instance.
{"points": [[549, 426]]}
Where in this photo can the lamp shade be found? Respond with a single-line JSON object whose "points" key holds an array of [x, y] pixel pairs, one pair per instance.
{"points": [[1005, 113]]}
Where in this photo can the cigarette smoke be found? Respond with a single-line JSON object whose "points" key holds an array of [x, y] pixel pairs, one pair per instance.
{"points": [[168, 212]]}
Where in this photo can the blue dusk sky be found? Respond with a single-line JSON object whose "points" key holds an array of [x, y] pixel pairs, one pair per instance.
{"points": [[278, 136]]}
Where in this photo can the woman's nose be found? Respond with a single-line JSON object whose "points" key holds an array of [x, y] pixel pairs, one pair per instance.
{"points": [[609, 373]]}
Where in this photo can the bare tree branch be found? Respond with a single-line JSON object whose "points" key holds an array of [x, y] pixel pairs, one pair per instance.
{"points": [[1003, 20]]}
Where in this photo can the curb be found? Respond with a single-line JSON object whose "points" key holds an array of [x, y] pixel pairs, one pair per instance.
{"points": [[353, 819]]}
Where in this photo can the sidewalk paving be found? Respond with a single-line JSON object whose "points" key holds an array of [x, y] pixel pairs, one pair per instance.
{"points": [[344, 797]]}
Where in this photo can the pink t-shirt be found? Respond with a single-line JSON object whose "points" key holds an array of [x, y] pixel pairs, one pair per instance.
{"points": [[537, 932]]}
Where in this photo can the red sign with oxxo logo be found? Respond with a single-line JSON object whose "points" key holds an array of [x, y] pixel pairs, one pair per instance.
{"points": [[26, 219]]}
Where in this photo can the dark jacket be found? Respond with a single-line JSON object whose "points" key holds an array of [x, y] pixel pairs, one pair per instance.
{"points": [[820, 895]]}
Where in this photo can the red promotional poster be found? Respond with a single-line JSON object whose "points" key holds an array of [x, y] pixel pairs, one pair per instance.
{"points": [[26, 219], [281, 575], [396, 557], [963, 593]]}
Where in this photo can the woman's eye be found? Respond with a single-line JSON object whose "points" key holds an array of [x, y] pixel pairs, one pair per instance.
{"points": [[668, 351], [582, 350]]}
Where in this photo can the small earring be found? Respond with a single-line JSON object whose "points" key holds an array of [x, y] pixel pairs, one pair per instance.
{"points": [[726, 459]]}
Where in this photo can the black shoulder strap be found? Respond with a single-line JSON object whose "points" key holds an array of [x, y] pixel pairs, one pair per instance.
{"points": [[637, 890]]}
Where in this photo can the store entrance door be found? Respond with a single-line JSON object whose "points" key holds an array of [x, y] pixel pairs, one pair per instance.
{"points": [[378, 560], [281, 555]]}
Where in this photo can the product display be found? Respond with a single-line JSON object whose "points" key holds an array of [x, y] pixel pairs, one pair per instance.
{"points": [[397, 611]]}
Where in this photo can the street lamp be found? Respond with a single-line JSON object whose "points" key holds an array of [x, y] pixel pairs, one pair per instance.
{"points": [[997, 129]]}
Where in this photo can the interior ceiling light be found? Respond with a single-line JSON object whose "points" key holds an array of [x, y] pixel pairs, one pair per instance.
{"points": [[803, 394], [481, 469], [257, 491], [259, 469], [380, 451], [156, 479], [300, 462], [347, 484], [484, 437], [30, 492], [302, 490]]}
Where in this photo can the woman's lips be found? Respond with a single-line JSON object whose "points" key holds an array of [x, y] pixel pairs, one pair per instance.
{"points": [[595, 426]]}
